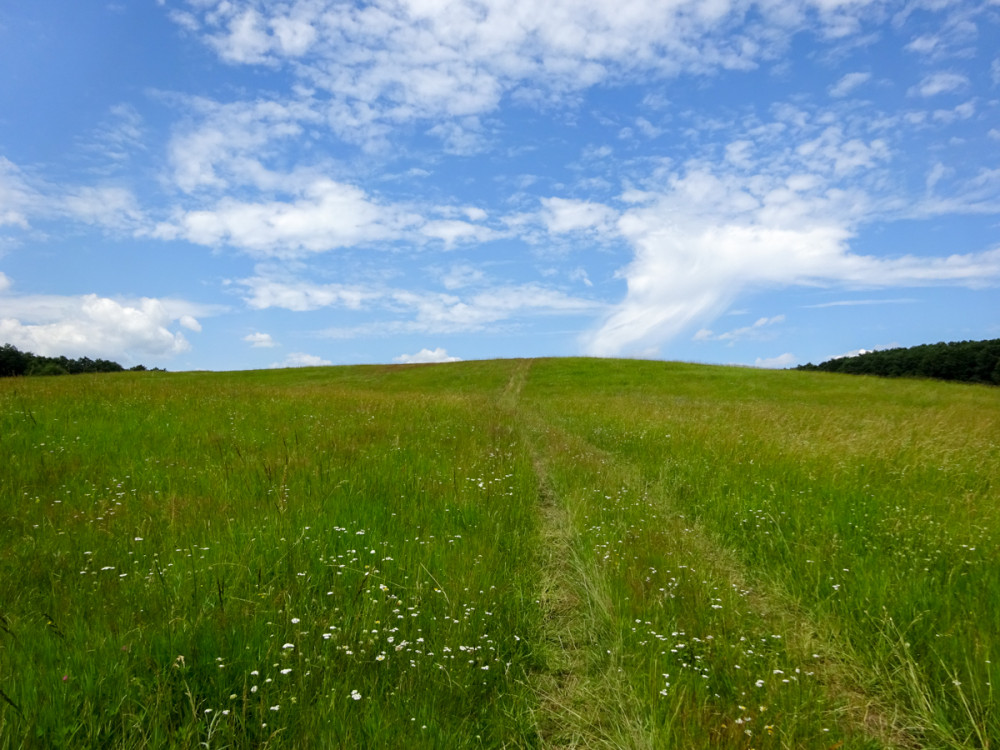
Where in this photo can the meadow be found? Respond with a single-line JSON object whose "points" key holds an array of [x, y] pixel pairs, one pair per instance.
{"points": [[521, 553]]}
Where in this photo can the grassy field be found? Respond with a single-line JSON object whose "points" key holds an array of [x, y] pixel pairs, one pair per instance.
{"points": [[547, 553]]}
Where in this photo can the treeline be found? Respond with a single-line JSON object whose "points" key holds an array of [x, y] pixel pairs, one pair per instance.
{"points": [[967, 361], [14, 362]]}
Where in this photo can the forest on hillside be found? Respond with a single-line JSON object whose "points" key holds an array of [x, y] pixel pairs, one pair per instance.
{"points": [[966, 361], [14, 362]]}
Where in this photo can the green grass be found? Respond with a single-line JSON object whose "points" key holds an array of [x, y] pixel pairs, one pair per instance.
{"points": [[549, 553]]}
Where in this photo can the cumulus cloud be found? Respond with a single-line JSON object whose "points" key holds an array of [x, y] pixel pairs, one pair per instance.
{"points": [[776, 363], [562, 216], [95, 326], [452, 232], [4, 282], [260, 340], [222, 144], [300, 359], [327, 215], [425, 356]]}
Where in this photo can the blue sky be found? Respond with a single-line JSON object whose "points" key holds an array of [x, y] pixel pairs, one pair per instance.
{"points": [[236, 184]]}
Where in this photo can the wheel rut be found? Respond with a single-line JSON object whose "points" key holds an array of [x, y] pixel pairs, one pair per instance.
{"points": [[579, 704]]}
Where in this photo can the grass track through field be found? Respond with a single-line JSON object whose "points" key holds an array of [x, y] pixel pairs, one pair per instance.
{"points": [[586, 697], [580, 617], [579, 706]]}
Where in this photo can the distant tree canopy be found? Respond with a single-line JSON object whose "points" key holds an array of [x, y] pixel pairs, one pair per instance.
{"points": [[967, 361], [14, 362]]}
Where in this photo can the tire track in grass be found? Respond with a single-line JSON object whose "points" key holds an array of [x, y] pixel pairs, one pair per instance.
{"points": [[579, 704], [585, 699], [863, 715]]}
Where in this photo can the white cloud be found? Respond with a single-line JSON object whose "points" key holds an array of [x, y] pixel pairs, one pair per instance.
{"points": [[448, 313], [24, 199], [300, 359], [246, 39], [263, 293], [260, 340], [451, 232], [462, 276], [327, 215], [17, 198], [848, 83], [777, 363], [862, 302], [118, 137], [223, 144], [940, 83], [647, 128], [5, 282], [425, 356], [705, 232], [859, 352], [562, 216], [841, 154], [738, 153], [417, 311], [109, 207], [94, 326], [755, 331], [190, 322], [389, 63], [580, 274], [924, 44]]}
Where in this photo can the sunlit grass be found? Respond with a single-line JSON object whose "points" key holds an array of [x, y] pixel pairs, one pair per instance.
{"points": [[241, 561], [498, 554], [859, 511]]}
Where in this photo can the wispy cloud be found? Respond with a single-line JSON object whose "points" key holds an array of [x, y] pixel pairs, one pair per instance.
{"points": [[301, 359], [849, 83], [755, 331], [783, 215], [862, 302], [406, 61], [940, 83], [426, 356], [414, 310]]}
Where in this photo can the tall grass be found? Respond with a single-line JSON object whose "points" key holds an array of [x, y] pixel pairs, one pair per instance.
{"points": [[268, 559], [498, 554], [858, 515]]}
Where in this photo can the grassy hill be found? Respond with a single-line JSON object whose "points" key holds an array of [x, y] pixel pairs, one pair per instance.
{"points": [[546, 553]]}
